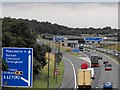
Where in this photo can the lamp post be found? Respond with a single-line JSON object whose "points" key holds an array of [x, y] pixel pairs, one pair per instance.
{"points": [[118, 39], [48, 65], [54, 56]]}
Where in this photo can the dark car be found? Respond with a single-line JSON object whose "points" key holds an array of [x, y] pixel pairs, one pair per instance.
{"points": [[108, 64], [100, 58], [105, 62]]}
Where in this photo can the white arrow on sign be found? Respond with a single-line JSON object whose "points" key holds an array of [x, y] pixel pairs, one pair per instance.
{"points": [[29, 52], [29, 62]]}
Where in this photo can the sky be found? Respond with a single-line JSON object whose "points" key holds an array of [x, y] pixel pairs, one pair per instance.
{"points": [[59, 0], [71, 14]]}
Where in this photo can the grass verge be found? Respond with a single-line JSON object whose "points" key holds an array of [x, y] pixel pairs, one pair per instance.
{"points": [[41, 81], [113, 47]]}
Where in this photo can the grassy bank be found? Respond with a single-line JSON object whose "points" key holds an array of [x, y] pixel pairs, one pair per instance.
{"points": [[41, 81], [114, 47]]}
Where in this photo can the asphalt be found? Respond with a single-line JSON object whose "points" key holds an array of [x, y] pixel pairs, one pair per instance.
{"points": [[68, 74], [97, 71], [107, 76]]}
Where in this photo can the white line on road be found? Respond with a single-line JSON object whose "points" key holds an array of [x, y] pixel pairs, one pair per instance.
{"points": [[73, 71], [88, 59]]}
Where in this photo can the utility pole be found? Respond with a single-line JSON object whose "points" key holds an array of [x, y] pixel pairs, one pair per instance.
{"points": [[48, 64], [118, 39], [110, 46], [59, 47], [114, 44], [54, 56]]}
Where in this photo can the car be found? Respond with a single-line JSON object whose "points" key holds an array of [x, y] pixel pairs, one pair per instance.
{"points": [[108, 67], [107, 85], [105, 62], [116, 54], [94, 51], [100, 58], [88, 50], [108, 64]]}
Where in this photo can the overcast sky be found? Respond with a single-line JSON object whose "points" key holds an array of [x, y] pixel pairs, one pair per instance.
{"points": [[69, 14], [59, 0]]}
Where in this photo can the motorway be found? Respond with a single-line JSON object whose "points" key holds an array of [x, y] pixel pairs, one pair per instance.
{"points": [[101, 76], [110, 76], [75, 62], [72, 64]]}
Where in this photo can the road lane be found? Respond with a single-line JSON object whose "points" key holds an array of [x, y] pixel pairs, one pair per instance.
{"points": [[97, 71], [76, 61], [68, 75], [109, 76]]}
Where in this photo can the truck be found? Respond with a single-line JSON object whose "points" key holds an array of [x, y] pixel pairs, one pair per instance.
{"points": [[84, 66], [94, 60], [81, 47], [83, 79]]}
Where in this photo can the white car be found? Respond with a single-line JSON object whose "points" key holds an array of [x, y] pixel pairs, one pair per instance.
{"points": [[94, 51]]}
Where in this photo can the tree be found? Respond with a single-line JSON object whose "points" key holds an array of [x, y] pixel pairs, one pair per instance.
{"points": [[4, 66], [17, 33]]}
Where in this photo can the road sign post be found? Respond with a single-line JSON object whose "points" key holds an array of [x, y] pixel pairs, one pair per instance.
{"points": [[20, 63], [56, 73]]}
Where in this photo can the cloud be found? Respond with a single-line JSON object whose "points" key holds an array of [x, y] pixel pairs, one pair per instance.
{"points": [[70, 14], [59, 0]]}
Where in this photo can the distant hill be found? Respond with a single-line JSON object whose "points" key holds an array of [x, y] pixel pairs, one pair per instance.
{"points": [[56, 29]]}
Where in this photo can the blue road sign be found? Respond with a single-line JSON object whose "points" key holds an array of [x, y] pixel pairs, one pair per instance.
{"points": [[20, 63], [93, 39], [57, 38], [76, 50]]}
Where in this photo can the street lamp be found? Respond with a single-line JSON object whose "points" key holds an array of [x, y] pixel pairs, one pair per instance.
{"points": [[48, 64]]}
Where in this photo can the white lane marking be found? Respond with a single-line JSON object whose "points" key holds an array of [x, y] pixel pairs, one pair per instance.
{"points": [[88, 59], [24, 79], [85, 59], [73, 71], [98, 82]]}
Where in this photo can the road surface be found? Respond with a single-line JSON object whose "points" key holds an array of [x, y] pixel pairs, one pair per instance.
{"points": [[110, 76]]}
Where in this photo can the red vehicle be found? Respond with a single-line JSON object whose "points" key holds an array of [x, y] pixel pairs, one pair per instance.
{"points": [[108, 67], [84, 66]]}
